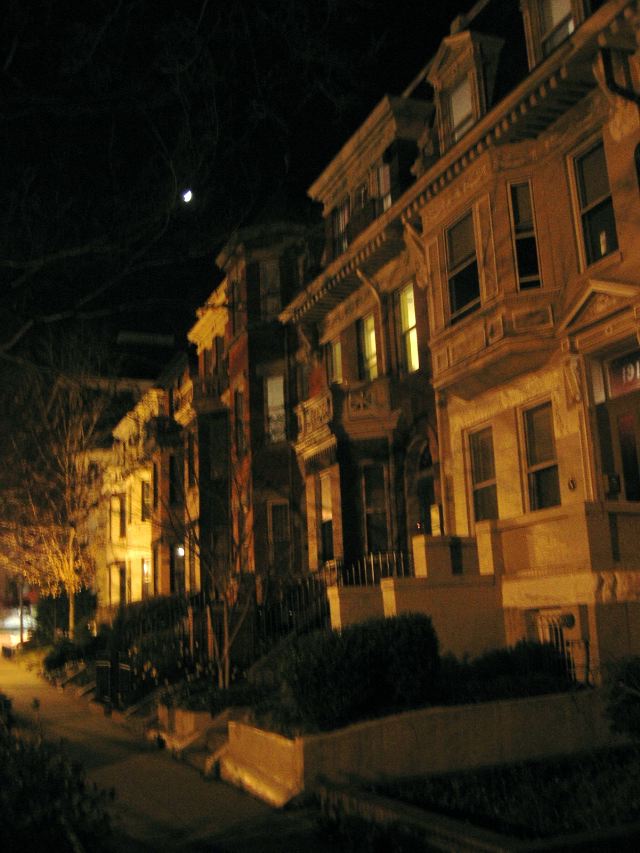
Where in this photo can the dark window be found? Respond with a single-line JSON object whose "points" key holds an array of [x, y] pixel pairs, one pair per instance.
{"points": [[629, 454], [279, 532], [155, 568], [596, 208], [464, 282], [270, 295], [155, 484], [175, 491], [239, 423], [526, 248], [483, 475], [326, 519], [375, 507], [542, 466], [191, 460], [339, 223], [122, 512], [191, 557], [145, 501]]}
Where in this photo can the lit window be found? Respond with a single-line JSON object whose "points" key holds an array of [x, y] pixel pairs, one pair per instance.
{"points": [[375, 508], [334, 362], [367, 350], [483, 475], [526, 248], [146, 577], [408, 332], [461, 109], [557, 23], [275, 408], [464, 282], [596, 208], [542, 465]]}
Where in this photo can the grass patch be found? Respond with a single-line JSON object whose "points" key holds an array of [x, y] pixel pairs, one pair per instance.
{"points": [[535, 799]]}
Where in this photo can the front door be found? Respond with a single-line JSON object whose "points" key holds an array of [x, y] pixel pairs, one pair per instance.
{"points": [[624, 419]]}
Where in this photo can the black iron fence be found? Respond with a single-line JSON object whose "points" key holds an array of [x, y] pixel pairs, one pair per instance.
{"points": [[367, 570]]}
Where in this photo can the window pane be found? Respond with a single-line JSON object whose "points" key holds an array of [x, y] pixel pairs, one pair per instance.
{"points": [[275, 408], [407, 308], [522, 209], [335, 361], [485, 503], [539, 434], [461, 242], [553, 11], [629, 453], [544, 488], [326, 511], [593, 177], [280, 522], [464, 287], [482, 461], [599, 231], [461, 108], [374, 491], [527, 258]]}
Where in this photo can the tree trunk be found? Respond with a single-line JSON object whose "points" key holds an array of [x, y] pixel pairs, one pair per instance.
{"points": [[72, 613]]}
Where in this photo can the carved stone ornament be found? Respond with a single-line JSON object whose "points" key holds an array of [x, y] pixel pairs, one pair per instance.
{"points": [[415, 247], [573, 381]]}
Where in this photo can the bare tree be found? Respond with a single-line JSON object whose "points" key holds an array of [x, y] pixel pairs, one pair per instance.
{"points": [[60, 413]]}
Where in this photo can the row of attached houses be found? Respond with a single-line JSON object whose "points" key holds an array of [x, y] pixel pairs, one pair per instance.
{"points": [[440, 411]]}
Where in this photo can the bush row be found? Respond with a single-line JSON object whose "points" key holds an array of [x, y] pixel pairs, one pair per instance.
{"points": [[328, 679]]}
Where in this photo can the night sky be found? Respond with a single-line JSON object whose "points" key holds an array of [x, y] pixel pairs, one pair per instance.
{"points": [[110, 109]]}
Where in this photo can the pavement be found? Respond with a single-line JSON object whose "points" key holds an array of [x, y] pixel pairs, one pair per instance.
{"points": [[160, 804]]}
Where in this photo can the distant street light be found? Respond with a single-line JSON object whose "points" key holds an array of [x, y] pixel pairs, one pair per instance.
{"points": [[187, 195]]}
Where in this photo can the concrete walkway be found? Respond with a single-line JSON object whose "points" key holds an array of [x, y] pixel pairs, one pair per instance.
{"points": [[160, 804]]}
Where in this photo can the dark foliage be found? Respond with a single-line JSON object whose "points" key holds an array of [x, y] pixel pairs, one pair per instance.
{"points": [[53, 616], [45, 801], [533, 799], [623, 705], [328, 679]]}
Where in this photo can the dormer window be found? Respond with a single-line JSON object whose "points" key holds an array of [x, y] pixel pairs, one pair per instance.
{"points": [[463, 74], [339, 223], [557, 23], [461, 109]]}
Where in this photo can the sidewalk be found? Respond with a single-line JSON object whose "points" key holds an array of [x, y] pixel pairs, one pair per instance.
{"points": [[161, 804]]}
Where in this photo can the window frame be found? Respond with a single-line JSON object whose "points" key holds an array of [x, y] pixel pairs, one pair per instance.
{"points": [[340, 216], [532, 470], [367, 355], [276, 545], [455, 270], [524, 282], [460, 128], [334, 361], [145, 500], [368, 511], [551, 35], [478, 487], [584, 210], [407, 334], [325, 521], [275, 416]]}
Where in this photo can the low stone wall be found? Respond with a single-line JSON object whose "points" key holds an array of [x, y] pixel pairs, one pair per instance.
{"points": [[432, 740], [182, 723]]}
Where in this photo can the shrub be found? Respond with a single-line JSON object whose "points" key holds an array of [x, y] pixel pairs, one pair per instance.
{"points": [[526, 669], [45, 801], [623, 697], [328, 679]]}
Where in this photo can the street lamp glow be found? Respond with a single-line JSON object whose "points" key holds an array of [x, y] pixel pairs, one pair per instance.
{"points": [[187, 195]]}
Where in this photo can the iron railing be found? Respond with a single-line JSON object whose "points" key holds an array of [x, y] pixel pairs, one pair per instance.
{"points": [[367, 570]]}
